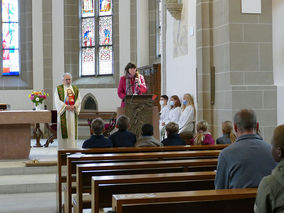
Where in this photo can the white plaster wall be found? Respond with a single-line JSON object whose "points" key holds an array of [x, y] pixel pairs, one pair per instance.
{"points": [[107, 98], [278, 54], [142, 33], [57, 42], [181, 70], [124, 34]]}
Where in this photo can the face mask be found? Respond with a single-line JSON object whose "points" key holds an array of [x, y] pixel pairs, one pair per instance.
{"points": [[161, 102], [184, 102], [172, 103]]}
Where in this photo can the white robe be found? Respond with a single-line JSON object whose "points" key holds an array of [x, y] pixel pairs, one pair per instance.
{"points": [[71, 141], [174, 115], [164, 114], [186, 119]]}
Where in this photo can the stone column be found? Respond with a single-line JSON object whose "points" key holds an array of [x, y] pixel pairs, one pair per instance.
{"points": [[239, 47]]}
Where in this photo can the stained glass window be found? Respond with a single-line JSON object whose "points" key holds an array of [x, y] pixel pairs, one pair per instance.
{"points": [[88, 61], [88, 8], [105, 29], [88, 32], [105, 7], [96, 38], [10, 37], [105, 57]]}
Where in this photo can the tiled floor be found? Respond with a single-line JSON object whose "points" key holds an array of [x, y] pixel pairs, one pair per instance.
{"points": [[15, 172]]}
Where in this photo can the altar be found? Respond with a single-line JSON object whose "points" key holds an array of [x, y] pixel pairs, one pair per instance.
{"points": [[15, 131]]}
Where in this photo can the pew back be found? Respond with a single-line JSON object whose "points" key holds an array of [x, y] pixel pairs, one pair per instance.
{"points": [[62, 158], [171, 181], [224, 200]]}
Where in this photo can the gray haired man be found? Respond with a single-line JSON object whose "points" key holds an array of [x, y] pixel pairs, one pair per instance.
{"points": [[244, 163]]}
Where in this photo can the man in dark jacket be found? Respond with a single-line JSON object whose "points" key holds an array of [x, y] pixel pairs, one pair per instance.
{"points": [[97, 140], [244, 163], [173, 138], [123, 138]]}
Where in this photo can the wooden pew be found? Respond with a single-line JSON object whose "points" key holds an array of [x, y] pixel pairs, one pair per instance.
{"points": [[62, 159], [103, 187], [216, 201], [184, 164], [134, 156], [72, 161]]}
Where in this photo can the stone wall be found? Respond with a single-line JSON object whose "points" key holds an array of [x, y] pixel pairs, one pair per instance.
{"points": [[239, 47]]}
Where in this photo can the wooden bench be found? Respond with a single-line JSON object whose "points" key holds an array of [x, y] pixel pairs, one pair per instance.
{"points": [[185, 165], [103, 187], [62, 159], [135, 156], [75, 159], [213, 201]]}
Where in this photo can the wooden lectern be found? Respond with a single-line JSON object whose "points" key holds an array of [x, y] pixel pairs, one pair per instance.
{"points": [[140, 110]]}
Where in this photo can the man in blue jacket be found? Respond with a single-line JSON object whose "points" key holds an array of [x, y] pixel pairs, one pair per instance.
{"points": [[97, 140], [244, 163]]}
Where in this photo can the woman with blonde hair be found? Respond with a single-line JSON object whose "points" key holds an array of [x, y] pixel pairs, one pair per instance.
{"points": [[187, 118], [202, 137], [228, 134]]}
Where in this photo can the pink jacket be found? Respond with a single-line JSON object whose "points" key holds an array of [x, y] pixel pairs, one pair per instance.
{"points": [[121, 90], [208, 140]]}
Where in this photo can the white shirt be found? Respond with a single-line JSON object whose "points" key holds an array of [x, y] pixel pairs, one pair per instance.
{"points": [[186, 118], [173, 115], [164, 113]]}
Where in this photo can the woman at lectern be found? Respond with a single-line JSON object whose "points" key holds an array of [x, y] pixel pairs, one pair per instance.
{"points": [[132, 83]]}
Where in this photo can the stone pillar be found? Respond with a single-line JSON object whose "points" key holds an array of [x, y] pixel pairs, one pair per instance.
{"points": [[239, 47]]}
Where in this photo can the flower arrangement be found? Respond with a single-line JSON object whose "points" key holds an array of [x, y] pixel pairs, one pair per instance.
{"points": [[37, 97]]}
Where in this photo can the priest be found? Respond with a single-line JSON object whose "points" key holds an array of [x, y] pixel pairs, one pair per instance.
{"points": [[68, 104]]}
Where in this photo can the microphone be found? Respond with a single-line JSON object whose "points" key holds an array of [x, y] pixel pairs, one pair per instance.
{"points": [[137, 82]]}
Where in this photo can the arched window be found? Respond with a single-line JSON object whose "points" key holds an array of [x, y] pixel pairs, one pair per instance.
{"points": [[10, 37], [96, 38]]}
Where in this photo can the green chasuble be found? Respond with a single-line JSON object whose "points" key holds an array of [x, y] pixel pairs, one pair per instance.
{"points": [[60, 90]]}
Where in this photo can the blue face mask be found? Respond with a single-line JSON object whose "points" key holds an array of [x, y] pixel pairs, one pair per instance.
{"points": [[184, 102], [172, 103]]}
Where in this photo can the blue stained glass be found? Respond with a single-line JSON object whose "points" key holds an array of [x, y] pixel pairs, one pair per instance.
{"points": [[88, 32], [105, 30], [11, 62], [10, 11], [10, 38], [105, 7]]}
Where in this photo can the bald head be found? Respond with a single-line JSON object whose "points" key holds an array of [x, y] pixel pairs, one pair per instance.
{"points": [[245, 120]]}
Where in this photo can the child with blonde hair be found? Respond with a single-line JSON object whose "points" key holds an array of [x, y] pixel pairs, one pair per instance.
{"points": [[202, 137], [228, 134]]}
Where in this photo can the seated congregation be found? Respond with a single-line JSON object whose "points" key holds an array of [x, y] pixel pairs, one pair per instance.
{"points": [[238, 173]]}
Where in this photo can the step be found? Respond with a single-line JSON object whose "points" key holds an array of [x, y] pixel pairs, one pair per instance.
{"points": [[21, 169], [28, 203], [32, 183]]}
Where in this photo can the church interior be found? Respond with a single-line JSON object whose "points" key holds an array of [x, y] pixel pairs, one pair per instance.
{"points": [[228, 54]]}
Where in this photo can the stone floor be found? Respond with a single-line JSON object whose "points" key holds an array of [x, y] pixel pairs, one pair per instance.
{"points": [[27, 189]]}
